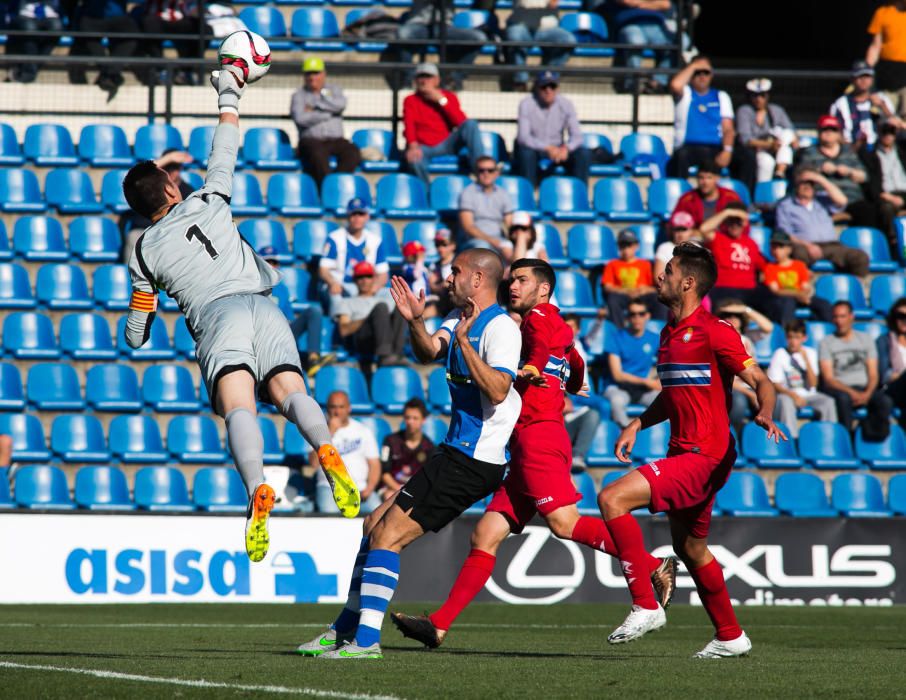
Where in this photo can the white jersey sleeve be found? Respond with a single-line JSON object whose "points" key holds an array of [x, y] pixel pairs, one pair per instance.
{"points": [[501, 345]]}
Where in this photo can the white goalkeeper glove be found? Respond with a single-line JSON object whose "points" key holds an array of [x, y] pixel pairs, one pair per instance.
{"points": [[229, 86]]}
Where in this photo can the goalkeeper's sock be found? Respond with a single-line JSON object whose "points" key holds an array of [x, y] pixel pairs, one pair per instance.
{"points": [[712, 589], [246, 446], [475, 572], [348, 619], [634, 560], [379, 579]]}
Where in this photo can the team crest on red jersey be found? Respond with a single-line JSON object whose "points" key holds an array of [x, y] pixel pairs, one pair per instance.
{"points": [[687, 336]]}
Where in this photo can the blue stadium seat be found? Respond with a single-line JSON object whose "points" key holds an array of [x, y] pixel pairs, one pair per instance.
{"points": [[888, 454], [403, 196], [817, 331], [393, 386], [382, 140], [194, 439], [273, 453], [521, 192], [338, 188], [839, 287], [105, 146], [762, 237], [165, 302], [739, 188], [297, 281], [151, 140], [267, 232], [15, 287], [29, 443], [87, 336], [157, 346], [825, 445], [644, 154], [78, 439], [309, 238], [29, 336], [858, 496], [112, 287], [39, 239], [169, 389], [591, 245], [62, 287], [766, 453], [10, 151], [565, 199], [112, 191], [297, 449], [574, 294], [6, 252], [102, 488], [767, 194], [113, 388], [663, 195], [12, 395], [49, 145], [593, 141], [439, 391], [435, 429], [651, 443], [588, 28], [54, 386], [885, 290], [19, 191], [494, 146], [316, 25], [423, 232], [219, 490], [802, 496], [348, 379], [293, 194], [200, 140], [269, 23], [445, 192], [162, 489], [553, 245], [246, 199], [95, 239], [618, 199], [874, 243], [389, 240], [136, 440], [745, 494], [6, 499], [896, 494], [268, 148], [873, 329], [193, 180], [43, 487], [183, 342], [586, 487], [600, 454], [648, 239]]}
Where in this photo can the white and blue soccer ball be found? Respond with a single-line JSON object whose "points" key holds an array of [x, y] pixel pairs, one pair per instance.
{"points": [[247, 51]]}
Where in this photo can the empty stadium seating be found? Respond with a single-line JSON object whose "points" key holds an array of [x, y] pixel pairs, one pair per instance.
{"points": [[43, 487], [105, 146], [290, 194], [858, 496], [137, 440], [338, 188], [79, 438], [267, 148], [162, 489], [802, 495], [219, 489], [113, 388], [94, 239], [745, 494], [261, 233], [393, 386], [102, 488], [194, 439]]}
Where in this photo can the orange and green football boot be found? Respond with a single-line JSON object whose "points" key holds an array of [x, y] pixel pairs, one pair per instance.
{"points": [[257, 539], [345, 492]]}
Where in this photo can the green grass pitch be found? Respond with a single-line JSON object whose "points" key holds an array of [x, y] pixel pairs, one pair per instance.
{"points": [[496, 651]]}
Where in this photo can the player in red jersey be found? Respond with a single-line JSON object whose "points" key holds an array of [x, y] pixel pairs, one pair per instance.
{"points": [[541, 456], [698, 357]]}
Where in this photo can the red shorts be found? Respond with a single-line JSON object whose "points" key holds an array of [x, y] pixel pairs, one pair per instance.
{"points": [[541, 457], [684, 486]]}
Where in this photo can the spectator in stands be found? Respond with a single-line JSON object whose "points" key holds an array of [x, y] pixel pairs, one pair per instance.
{"points": [[582, 423], [849, 373], [886, 164], [368, 322], [707, 198], [631, 359], [680, 228], [549, 133], [887, 51], [358, 448], [317, 110], [105, 16], [629, 278], [349, 246], [405, 452], [891, 348], [41, 16], [6, 451], [766, 129], [703, 126], [173, 17], [806, 217], [860, 109], [791, 278], [435, 125], [524, 237], [415, 271], [641, 22], [485, 210], [446, 251], [794, 371], [536, 20]]}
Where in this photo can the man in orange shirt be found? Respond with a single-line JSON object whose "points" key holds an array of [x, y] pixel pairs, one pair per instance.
{"points": [[887, 51], [628, 278], [791, 278]]}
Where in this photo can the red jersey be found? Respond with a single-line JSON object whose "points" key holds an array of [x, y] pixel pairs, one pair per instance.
{"points": [[427, 123], [547, 345], [738, 261], [697, 360]]}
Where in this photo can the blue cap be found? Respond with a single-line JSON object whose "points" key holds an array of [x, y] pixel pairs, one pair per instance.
{"points": [[267, 251], [356, 204], [547, 77]]}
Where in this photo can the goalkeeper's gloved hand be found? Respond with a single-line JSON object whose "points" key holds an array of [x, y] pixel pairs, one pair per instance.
{"points": [[230, 86]]}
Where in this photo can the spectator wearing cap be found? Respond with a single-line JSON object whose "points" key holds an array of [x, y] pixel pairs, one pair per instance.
{"points": [[524, 237], [806, 215], [347, 246], [703, 126], [536, 20], [368, 322], [766, 129], [886, 164], [628, 278], [680, 228], [887, 50], [549, 133], [485, 210], [415, 272], [787, 277], [445, 244], [435, 125], [317, 110], [860, 108], [708, 197]]}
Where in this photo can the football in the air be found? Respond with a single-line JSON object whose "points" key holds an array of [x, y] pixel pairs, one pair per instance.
{"points": [[247, 51]]}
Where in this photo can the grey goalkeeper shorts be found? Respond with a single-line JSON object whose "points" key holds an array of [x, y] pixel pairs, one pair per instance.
{"points": [[244, 332]]}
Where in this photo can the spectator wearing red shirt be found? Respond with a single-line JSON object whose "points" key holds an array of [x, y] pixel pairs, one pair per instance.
{"points": [[434, 124], [708, 197]]}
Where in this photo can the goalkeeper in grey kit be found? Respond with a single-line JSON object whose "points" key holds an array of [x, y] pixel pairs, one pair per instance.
{"points": [[244, 346]]}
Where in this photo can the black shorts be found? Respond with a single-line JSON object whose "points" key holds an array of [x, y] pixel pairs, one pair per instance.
{"points": [[446, 486]]}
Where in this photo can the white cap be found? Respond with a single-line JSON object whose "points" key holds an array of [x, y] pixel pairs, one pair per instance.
{"points": [[521, 218], [758, 85]]}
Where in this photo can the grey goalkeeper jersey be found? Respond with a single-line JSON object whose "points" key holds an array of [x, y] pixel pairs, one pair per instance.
{"points": [[194, 252]]}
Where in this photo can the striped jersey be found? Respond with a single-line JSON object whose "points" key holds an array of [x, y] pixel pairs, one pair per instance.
{"points": [[696, 363]]}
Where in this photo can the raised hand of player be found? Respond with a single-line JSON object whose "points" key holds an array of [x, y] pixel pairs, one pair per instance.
{"points": [[409, 306], [229, 85], [774, 433], [622, 449], [466, 320]]}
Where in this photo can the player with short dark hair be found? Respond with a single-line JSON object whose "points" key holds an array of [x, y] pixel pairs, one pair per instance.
{"points": [[193, 251], [697, 360]]}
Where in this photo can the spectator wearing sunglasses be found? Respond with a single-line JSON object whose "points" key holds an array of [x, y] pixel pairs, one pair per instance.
{"points": [[441, 268], [631, 356], [485, 210]]}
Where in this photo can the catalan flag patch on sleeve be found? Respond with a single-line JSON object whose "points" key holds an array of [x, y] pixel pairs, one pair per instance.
{"points": [[143, 301]]}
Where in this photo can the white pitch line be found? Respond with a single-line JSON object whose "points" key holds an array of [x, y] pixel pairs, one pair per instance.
{"points": [[279, 689]]}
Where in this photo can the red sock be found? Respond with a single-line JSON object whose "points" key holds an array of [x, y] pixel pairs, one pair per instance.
{"points": [[475, 572], [630, 546], [709, 580], [593, 533]]}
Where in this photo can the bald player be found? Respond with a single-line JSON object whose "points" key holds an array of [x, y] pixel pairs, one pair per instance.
{"points": [[481, 345]]}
